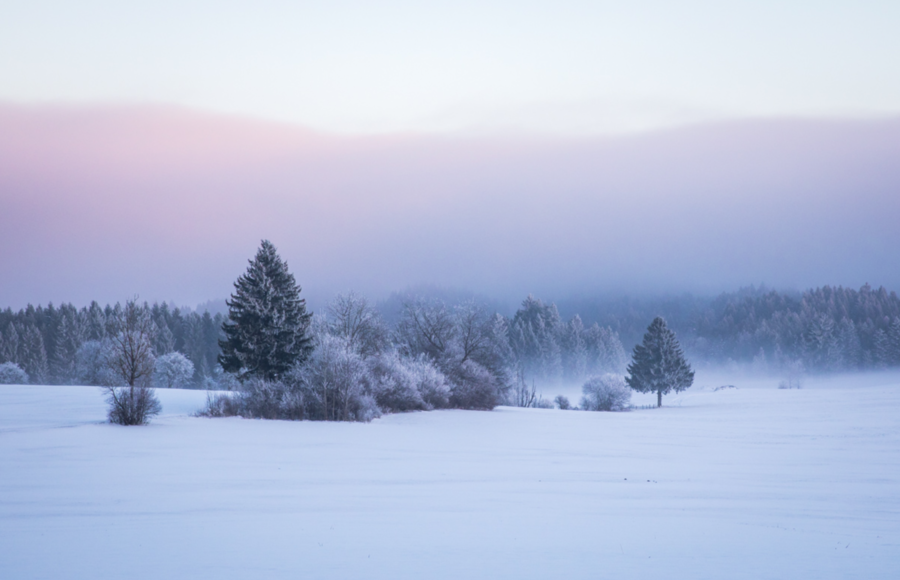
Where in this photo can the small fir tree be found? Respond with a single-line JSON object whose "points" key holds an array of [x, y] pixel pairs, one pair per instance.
{"points": [[658, 364], [267, 331]]}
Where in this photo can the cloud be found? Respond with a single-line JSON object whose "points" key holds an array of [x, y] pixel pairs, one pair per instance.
{"points": [[103, 203]]}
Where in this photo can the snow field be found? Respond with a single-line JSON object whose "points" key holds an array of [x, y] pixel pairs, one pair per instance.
{"points": [[752, 482]]}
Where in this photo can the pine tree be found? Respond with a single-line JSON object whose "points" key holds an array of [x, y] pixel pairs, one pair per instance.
{"points": [[881, 349], [658, 363], [267, 331], [893, 336], [34, 357]]}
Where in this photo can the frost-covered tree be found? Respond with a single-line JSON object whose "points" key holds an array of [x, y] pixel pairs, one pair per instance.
{"points": [[68, 340], [658, 364], [881, 349], [131, 345], [575, 354], [330, 384], [267, 331], [351, 317], [393, 384], [893, 341], [605, 393], [130, 356], [464, 343], [535, 333], [165, 341], [605, 353], [92, 364], [95, 322], [12, 374], [173, 371], [10, 350], [33, 356]]}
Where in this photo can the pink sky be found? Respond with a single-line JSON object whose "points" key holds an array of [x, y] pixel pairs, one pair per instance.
{"points": [[104, 203]]}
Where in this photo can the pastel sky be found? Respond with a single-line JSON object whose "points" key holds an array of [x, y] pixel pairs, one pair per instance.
{"points": [[503, 147], [401, 65], [104, 203]]}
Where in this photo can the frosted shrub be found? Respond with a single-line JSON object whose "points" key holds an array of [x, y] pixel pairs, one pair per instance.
{"points": [[562, 402], [431, 383], [466, 344], [12, 374], [332, 383], [221, 405], [474, 387], [393, 384], [543, 403], [262, 399], [173, 371], [605, 393]]}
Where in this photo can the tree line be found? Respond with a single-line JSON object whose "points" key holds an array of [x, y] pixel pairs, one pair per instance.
{"points": [[826, 329], [345, 364], [61, 344]]}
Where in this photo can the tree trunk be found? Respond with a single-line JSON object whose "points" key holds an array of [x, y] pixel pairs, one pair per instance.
{"points": [[659, 398]]}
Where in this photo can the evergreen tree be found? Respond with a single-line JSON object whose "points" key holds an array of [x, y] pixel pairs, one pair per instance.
{"points": [[95, 322], [62, 360], [893, 336], [881, 349], [12, 345], [267, 331], [34, 357], [658, 364]]}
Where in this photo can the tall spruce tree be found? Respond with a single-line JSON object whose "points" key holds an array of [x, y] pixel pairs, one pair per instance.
{"points": [[267, 331], [658, 364]]}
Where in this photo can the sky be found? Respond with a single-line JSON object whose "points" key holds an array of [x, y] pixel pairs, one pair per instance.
{"points": [[506, 148], [562, 67]]}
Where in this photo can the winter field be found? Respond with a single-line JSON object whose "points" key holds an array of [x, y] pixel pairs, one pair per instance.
{"points": [[748, 482]]}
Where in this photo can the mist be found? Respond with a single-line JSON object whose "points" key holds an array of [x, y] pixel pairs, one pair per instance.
{"points": [[104, 203]]}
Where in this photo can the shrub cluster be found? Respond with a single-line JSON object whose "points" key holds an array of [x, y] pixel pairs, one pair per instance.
{"points": [[606, 393]]}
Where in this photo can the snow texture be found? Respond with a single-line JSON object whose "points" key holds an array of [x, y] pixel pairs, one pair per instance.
{"points": [[747, 482]]}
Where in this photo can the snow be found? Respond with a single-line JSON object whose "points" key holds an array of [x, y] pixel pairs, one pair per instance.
{"points": [[751, 482]]}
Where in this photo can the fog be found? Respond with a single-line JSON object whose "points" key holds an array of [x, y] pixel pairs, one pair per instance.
{"points": [[105, 203]]}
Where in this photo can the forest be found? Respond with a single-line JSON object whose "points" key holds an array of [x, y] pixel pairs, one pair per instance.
{"points": [[825, 329]]}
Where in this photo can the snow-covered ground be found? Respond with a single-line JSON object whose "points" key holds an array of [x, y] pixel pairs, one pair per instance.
{"points": [[752, 482]]}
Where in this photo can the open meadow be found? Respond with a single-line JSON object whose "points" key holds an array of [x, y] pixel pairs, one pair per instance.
{"points": [[746, 482]]}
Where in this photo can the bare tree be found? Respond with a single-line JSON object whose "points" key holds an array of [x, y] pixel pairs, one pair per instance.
{"points": [[464, 343], [523, 395], [351, 317], [131, 358]]}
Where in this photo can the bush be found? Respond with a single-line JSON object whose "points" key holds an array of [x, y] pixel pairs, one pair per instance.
{"points": [[131, 405], [393, 384], [331, 383], [327, 387], [562, 402], [173, 371], [12, 374], [543, 403], [605, 393], [474, 387], [431, 383], [221, 405]]}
